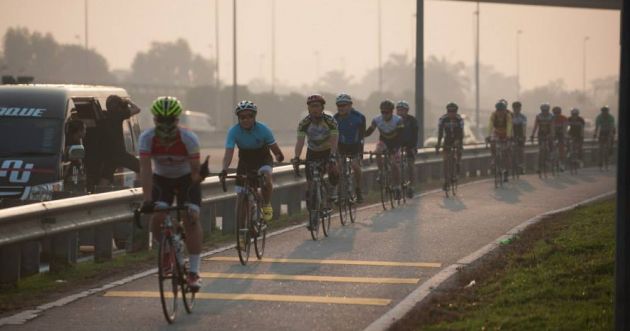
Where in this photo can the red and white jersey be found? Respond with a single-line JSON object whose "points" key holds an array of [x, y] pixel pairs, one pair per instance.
{"points": [[170, 161]]}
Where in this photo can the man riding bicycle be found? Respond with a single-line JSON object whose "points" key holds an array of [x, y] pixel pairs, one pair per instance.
{"points": [[519, 131], [544, 126], [451, 127], [322, 133], [351, 124], [254, 140], [605, 126], [576, 130], [390, 127], [560, 124], [409, 141], [500, 128], [169, 169]]}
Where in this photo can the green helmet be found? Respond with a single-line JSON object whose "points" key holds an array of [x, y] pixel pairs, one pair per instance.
{"points": [[166, 107]]}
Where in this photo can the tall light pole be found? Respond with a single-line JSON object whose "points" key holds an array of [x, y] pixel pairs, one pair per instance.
{"points": [[85, 21], [380, 50], [273, 47], [234, 80], [518, 63], [419, 79], [217, 80], [586, 38], [477, 45]]}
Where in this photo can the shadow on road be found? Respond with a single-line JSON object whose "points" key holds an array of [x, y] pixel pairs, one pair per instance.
{"points": [[453, 204]]}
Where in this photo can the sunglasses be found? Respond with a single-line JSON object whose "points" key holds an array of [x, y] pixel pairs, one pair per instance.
{"points": [[246, 116], [386, 112], [165, 119]]}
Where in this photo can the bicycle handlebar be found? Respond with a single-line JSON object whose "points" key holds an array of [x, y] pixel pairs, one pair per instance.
{"points": [[139, 211]]}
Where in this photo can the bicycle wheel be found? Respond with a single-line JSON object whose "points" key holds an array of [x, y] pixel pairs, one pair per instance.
{"points": [[342, 202], [314, 212], [168, 277], [243, 228], [453, 176], [188, 296], [352, 210], [383, 189], [260, 239], [325, 220]]}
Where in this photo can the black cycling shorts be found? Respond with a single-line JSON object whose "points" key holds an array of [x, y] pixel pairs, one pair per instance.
{"points": [[317, 156], [355, 150], [166, 189]]}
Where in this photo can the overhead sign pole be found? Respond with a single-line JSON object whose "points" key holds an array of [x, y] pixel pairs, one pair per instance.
{"points": [[419, 95]]}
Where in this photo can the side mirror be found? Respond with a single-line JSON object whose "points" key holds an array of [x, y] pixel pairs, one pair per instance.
{"points": [[76, 152]]}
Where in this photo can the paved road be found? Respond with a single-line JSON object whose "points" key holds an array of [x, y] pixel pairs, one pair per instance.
{"points": [[411, 244]]}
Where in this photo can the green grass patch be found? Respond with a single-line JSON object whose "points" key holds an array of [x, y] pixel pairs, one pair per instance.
{"points": [[557, 275]]}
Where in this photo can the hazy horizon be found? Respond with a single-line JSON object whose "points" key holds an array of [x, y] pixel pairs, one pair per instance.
{"points": [[342, 32]]}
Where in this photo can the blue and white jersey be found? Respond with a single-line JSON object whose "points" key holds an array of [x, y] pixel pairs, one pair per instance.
{"points": [[257, 137], [388, 129], [351, 127]]}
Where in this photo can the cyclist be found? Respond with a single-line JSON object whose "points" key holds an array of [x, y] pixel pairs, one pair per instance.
{"points": [[322, 133], [576, 130], [519, 131], [605, 126], [560, 124], [254, 140], [543, 125], [451, 127], [390, 127], [169, 169], [409, 140], [500, 128], [351, 125]]}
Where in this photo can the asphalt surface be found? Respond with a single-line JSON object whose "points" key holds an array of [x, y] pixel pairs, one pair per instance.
{"points": [[431, 229]]}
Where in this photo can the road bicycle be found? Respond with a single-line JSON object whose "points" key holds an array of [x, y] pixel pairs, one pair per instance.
{"points": [[406, 167], [451, 173], [250, 225], [605, 147], [347, 201], [501, 156], [384, 179], [518, 157], [573, 157], [319, 211], [172, 265], [544, 156]]}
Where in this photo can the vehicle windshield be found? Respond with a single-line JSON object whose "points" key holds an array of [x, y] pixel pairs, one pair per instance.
{"points": [[29, 136]]}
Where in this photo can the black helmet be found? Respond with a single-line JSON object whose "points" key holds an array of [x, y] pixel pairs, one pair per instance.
{"points": [[605, 109], [516, 104], [387, 104], [452, 106]]}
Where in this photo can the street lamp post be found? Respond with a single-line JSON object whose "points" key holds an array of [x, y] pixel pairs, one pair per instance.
{"points": [[477, 45], [273, 47], [234, 78], [518, 64], [586, 38], [217, 80], [380, 51]]}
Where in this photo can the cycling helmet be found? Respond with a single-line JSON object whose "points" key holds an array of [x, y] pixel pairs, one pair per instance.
{"points": [[166, 107], [343, 98], [245, 105], [501, 105], [315, 98], [516, 104], [575, 111], [504, 102], [544, 107], [557, 109], [452, 106], [605, 109], [402, 104], [387, 104]]}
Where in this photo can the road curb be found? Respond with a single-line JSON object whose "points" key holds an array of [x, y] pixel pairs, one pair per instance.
{"points": [[425, 289]]}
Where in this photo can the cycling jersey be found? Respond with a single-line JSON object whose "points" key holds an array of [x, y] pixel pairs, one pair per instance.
{"points": [[544, 122], [255, 138], [409, 136], [500, 124], [452, 129], [576, 126], [318, 134], [351, 127], [605, 123], [170, 161], [519, 122], [389, 130]]}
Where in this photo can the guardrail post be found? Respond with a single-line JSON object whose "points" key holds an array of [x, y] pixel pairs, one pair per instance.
{"points": [[139, 238], [65, 247], [10, 262], [103, 242], [278, 196], [436, 171], [208, 218], [30, 259], [294, 201], [229, 216]]}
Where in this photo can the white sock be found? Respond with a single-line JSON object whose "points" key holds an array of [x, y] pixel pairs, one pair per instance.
{"points": [[194, 260]]}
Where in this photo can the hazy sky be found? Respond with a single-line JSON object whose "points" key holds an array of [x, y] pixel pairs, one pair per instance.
{"points": [[321, 35]]}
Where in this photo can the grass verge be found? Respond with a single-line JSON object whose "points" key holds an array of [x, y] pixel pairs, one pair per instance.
{"points": [[557, 275]]}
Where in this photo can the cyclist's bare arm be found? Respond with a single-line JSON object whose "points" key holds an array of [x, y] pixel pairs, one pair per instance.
{"points": [[275, 149], [369, 130], [535, 128], [298, 146], [334, 139], [227, 158], [195, 166], [146, 174]]}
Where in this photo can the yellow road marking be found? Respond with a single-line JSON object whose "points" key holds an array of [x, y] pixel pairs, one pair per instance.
{"points": [[346, 262], [308, 278], [259, 297]]}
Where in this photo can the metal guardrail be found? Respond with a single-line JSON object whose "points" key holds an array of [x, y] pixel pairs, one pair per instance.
{"points": [[50, 230]]}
